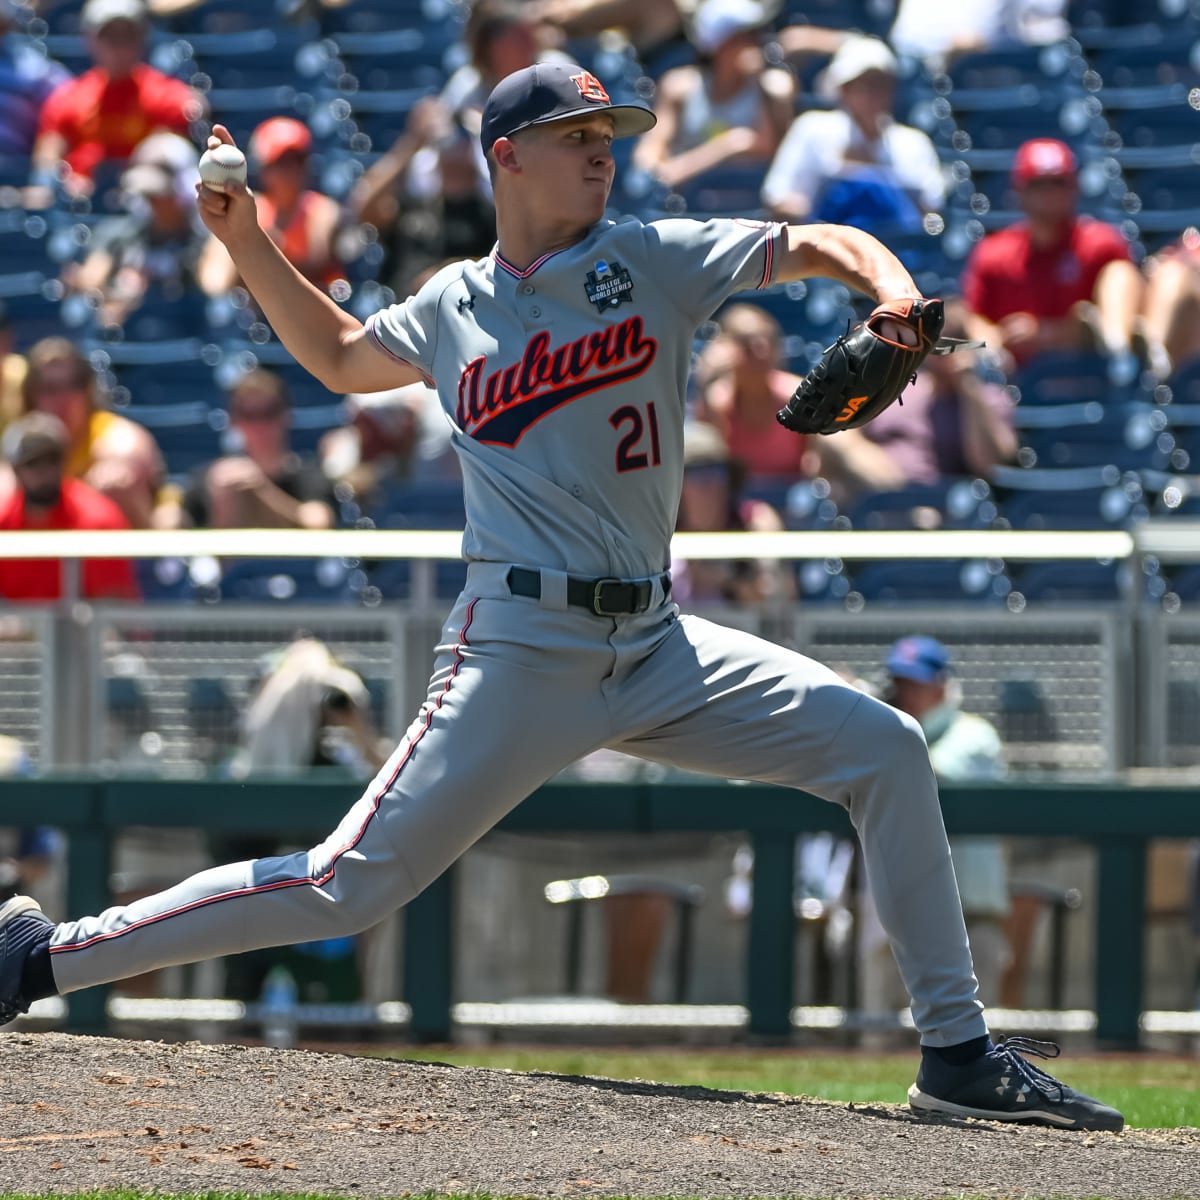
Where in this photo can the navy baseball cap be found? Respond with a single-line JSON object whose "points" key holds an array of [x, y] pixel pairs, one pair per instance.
{"points": [[553, 92], [922, 659]]}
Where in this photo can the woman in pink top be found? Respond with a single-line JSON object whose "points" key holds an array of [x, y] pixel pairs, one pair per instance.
{"points": [[742, 386]]}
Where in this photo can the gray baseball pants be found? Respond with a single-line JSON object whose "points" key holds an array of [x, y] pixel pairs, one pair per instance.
{"points": [[522, 688]]}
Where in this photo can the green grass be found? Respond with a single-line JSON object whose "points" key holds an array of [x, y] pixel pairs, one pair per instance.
{"points": [[1152, 1092]]}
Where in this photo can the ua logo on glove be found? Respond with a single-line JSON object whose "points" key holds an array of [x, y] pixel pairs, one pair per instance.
{"points": [[852, 406]]}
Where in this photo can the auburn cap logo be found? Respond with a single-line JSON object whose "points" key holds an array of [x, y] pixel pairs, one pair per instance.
{"points": [[590, 88]]}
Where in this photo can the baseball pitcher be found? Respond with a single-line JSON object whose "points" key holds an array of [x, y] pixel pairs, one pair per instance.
{"points": [[561, 362]]}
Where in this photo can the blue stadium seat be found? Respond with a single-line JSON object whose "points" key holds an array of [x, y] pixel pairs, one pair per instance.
{"points": [[1071, 498], [171, 353], [303, 388], [385, 16], [285, 581], [808, 505], [265, 58], [1131, 437], [382, 115], [770, 489], [1184, 385], [1185, 583], [1169, 197], [1183, 422], [866, 16], [14, 170], [1068, 582], [821, 581], [229, 17], [922, 253], [1063, 377], [404, 57], [165, 316], [24, 242], [973, 581], [33, 302], [163, 580], [59, 16], [437, 504], [995, 125], [724, 190], [394, 579], [1015, 67], [960, 503], [1156, 65], [1152, 121], [70, 49], [1096, 26]]}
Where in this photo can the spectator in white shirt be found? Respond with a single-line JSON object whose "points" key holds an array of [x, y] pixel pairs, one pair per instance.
{"points": [[855, 164], [937, 32], [729, 108]]}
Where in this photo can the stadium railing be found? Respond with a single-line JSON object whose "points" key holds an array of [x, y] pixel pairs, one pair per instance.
{"points": [[62, 671], [1117, 819]]}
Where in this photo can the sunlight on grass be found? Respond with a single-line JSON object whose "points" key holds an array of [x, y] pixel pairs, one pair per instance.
{"points": [[1153, 1093]]}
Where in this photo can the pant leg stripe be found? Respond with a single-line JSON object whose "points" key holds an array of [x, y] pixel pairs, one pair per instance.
{"points": [[308, 880]]}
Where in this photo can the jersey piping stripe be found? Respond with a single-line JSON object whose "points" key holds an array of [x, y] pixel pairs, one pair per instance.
{"points": [[529, 270], [306, 881], [766, 279], [373, 334]]}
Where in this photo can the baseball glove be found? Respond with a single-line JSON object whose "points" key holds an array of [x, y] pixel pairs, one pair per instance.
{"points": [[863, 372]]}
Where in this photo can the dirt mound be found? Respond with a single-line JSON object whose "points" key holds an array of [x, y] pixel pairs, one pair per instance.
{"points": [[80, 1113]]}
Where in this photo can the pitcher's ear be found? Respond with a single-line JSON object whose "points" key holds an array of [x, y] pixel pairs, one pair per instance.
{"points": [[504, 151]]}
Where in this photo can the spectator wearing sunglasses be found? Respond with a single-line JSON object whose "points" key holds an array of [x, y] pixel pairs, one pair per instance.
{"points": [[262, 482]]}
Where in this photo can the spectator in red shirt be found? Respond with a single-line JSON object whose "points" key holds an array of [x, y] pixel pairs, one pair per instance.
{"points": [[1057, 280], [302, 222], [101, 116], [36, 449]]}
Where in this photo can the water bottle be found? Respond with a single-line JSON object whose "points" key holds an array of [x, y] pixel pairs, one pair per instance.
{"points": [[277, 1007]]}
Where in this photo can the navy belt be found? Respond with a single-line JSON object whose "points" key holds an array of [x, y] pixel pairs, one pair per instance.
{"points": [[604, 597]]}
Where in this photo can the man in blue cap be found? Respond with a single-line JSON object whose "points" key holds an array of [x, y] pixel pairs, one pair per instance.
{"points": [[963, 747]]}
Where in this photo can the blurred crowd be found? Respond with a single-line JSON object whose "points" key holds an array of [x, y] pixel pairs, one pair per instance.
{"points": [[797, 113]]}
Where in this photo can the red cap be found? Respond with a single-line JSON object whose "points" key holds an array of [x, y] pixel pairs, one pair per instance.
{"points": [[1042, 158], [277, 137]]}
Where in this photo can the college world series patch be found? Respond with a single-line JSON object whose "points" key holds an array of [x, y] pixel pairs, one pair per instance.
{"points": [[608, 284]]}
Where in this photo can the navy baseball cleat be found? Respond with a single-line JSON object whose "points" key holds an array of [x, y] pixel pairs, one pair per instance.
{"points": [[22, 926], [1000, 1085]]}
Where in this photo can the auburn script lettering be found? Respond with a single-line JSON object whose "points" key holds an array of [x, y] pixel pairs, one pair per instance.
{"points": [[499, 407]]}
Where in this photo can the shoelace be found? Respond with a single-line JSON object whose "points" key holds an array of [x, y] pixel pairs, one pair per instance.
{"points": [[1011, 1049]]}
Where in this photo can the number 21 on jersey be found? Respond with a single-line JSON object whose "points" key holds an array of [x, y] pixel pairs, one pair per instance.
{"points": [[630, 455]]}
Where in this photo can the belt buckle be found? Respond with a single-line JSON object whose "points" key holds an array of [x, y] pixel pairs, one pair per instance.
{"points": [[598, 598]]}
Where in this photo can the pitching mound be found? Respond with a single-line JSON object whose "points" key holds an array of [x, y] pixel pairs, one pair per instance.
{"points": [[80, 1113]]}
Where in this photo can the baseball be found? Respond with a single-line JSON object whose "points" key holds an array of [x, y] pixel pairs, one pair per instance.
{"points": [[221, 165]]}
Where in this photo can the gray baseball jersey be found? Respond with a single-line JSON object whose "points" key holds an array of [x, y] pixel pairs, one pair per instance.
{"points": [[565, 386]]}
